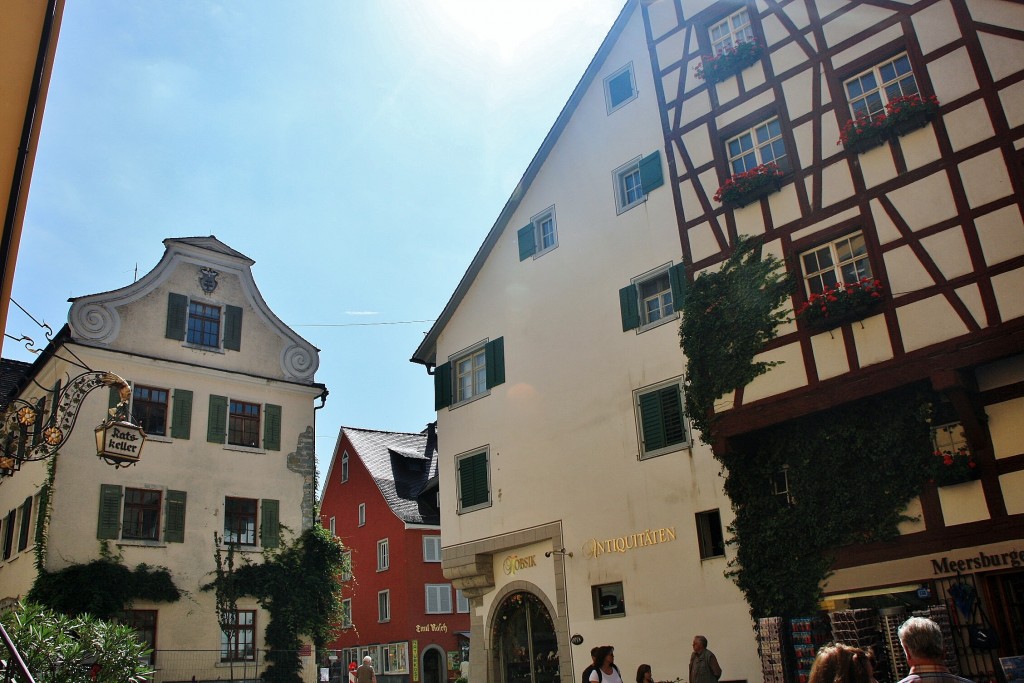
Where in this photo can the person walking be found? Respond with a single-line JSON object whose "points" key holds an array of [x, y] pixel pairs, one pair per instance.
{"points": [[365, 673], [585, 678], [605, 671], [922, 643], [704, 666]]}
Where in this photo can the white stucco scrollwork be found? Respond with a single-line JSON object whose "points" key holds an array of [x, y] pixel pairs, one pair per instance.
{"points": [[299, 362], [94, 321]]}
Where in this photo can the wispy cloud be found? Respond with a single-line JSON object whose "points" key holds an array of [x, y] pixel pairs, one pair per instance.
{"points": [[362, 312]]}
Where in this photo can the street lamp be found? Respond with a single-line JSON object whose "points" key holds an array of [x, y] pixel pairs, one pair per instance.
{"points": [[26, 437]]}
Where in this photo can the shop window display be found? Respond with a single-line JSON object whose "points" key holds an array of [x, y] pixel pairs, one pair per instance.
{"points": [[525, 638]]}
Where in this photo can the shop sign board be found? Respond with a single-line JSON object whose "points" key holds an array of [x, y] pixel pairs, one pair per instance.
{"points": [[514, 563], [641, 539], [979, 560], [415, 660]]}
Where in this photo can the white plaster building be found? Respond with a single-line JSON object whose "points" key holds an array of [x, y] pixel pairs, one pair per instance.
{"points": [[226, 392]]}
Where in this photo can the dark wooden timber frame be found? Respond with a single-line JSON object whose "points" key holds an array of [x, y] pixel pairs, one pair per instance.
{"points": [[946, 366]]}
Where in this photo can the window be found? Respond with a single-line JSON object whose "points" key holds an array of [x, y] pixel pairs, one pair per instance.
{"points": [[780, 485], [383, 561], [384, 606], [238, 637], [844, 260], [439, 598], [709, 534], [199, 324], [240, 521], [239, 422], [761, 144], [394, 658], [461, 602], [333, 526], [362, 514], [141, 518], [149, 410], [346, 613], [473, 481], [26, 524], [140, 514], [539, 237], [344, 467], [608, 600], [870, 91], [660, 419], [143, 622], [650, 299], [346, 572], [636, 179], [733, 29], [950, 437], [244, 424], [431, 548], [203, 325], [9, 534], [620, 88], [470, 374]]}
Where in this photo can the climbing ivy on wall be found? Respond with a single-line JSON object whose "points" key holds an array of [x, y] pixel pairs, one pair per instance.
{"points": [[728, 316], [300, 587], [102, 588], [851, 470]]}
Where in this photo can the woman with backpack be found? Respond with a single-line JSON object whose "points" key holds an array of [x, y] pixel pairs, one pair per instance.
{"points": [[606, 671]]}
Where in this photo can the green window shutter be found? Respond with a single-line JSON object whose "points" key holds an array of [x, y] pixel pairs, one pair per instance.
{"points": [[113, 398], [473, 480], [494, 357], [442, 386], [270, 527], [650, 422], [109, 524], [54, 398], [26, 523], [177, 314], [174, 514], [629, 306], [37, 435], [527, 242], [677, 279], [44, 502], [217, 419], [661, 418], [233, 328], [272, 427], [650, 172], [181, 414], [672, 414]]}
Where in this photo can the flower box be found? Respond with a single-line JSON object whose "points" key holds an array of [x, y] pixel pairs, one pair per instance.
{"points": [[841, 303], [750, 186], [954, 467], [728, 62], [902, 115]]}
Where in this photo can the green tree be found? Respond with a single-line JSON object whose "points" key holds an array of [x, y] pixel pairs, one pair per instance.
{"points": [[83, 649]]}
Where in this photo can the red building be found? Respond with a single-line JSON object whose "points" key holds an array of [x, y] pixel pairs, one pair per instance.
{"points": [[381, 499]]}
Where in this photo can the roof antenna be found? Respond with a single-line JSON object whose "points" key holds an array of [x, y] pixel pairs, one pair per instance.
{"points": [[136, 272]]}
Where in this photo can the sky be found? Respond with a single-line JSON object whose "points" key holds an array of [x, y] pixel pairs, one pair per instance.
{"points": [[357, 150]]}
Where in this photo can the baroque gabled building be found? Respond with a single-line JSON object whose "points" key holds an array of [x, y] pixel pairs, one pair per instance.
{"points": [[874, 144], [380, 498], [225, 392]]}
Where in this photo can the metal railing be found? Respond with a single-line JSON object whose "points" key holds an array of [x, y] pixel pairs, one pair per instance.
{"points": [[14, 657]]}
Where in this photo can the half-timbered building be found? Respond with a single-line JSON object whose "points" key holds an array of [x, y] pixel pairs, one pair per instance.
{"points": [[890, 134], [872, 143]]}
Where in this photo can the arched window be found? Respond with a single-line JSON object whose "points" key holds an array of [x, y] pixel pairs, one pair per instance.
{"points": [[524, 637], [344, 466]]}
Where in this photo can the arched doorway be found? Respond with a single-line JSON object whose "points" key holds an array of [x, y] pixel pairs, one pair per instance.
{"points": [[434, 666], [524, 640]]}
